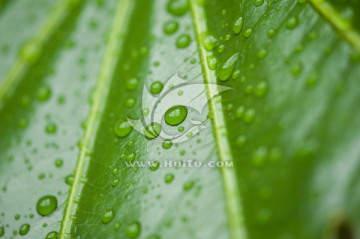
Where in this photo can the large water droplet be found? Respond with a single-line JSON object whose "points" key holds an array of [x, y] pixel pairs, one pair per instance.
{"points": [[238, 25], [176, 115], [225, 70], [24, 229], [46, 205]]}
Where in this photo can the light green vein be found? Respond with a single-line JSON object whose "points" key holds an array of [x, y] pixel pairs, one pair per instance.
{"points": [[341, 25], [113, 50], [232, 193], [34, 47]]}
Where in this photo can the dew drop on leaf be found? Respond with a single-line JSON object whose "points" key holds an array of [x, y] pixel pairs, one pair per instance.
{"points": [[169, 177], [292, 23], [133, 230], [122, 128], [170, 27], [176, 115], [208, 41], [46, 205], [167, 144], [132, 83], [24, 229], [238, 25], [52, 235], [43, 93], [258, 3], [108, 216], [183, 41], [177, 7], [225, 70], [152, 130], [156, 87]]}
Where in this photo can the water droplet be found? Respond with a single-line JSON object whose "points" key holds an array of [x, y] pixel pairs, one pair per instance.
{"points": [[167, 144], [212, 62], [122, 128], [156, 87], [262, 54], [258, 3], [259, 156], [247, 33], [176, 115], [183, 41], [238, 25], [131, 157], [154, 165], [241, 140], [249, 116], [170, 27], [181, 129], [24, 229], [133, 230], [261, 89], [132, 83], [2, 231], [46, 205], [43, 93], [59, 163], [271, 32], [52, 235], [108, 216], [169, 177], [208, 41], [292, 23], [296, 69], [239, 112], [188, 185], [152, 130], [69, 180], [115, 182], [225, 70], [130, 102], [51, 128], [177, 7]]}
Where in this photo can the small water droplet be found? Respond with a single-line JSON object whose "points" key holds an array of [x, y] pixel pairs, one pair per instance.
{"points": [[261, 89], [132, 83], [108, 216], [169, 177], [43, 93], [133, 230], [258, 3], [52, 235], [292, 23], [183, 41], [247, 33], [208, 41], [170, 27], [177, 7], [156, 87], [152, 130], [167, 144]]}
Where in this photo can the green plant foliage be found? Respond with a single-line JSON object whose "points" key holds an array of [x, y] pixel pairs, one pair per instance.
{"points": [[77, 82]]}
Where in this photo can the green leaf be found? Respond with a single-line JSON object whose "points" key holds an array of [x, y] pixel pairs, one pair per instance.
{"points": [[270, 87]]}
